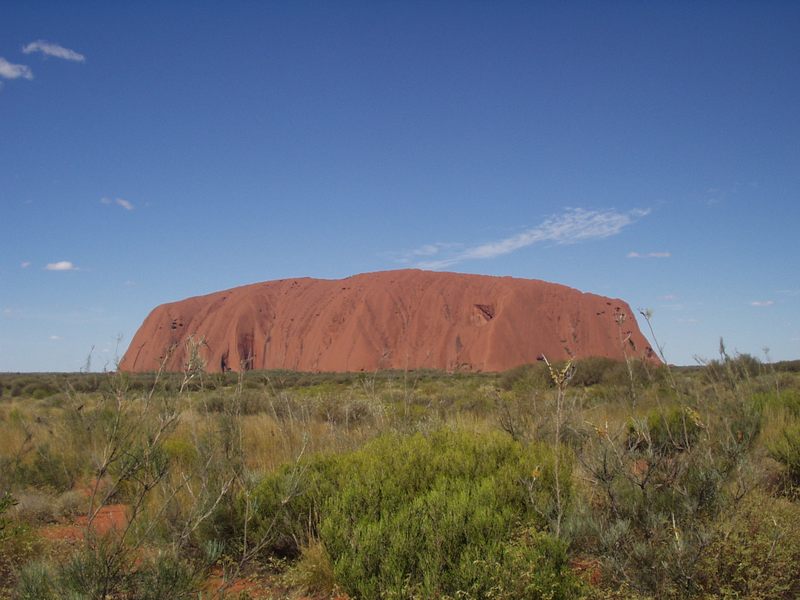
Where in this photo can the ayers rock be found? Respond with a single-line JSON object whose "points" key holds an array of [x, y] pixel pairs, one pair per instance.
{"points": [[404, 319]]}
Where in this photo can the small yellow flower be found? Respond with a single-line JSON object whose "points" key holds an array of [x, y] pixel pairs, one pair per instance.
{"points": [[695, 417]]}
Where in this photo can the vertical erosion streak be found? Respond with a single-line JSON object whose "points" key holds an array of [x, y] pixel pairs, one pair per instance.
{"points": [[244, 346]]}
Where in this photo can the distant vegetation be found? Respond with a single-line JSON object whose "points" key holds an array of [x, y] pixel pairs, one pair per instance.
{"points": [[597, 479]]}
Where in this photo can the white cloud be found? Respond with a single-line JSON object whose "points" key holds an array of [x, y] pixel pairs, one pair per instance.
{"points": [[669, 297], [649, 254], [573, 226], [62, 265], [25, 264], [425, 251], [51, 49], [674, 306], [12, 71], [56, 338], [127, 205], [762, 303]]}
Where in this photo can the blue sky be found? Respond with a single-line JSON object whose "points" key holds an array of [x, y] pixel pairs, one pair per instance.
{"points": [[154, 151]]}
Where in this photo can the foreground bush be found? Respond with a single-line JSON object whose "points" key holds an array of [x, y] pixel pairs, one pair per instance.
{"points": [[96, 575], [756, 552], [786, 450], [657, 491], [17, 543], [417, 516]]}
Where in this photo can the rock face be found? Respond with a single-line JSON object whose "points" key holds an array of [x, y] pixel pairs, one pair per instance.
{"points": [[405, 319]]}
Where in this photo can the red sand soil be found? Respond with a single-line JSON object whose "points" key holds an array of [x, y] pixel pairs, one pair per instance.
{"points": [[253, 587], [257, 586], [588, 569], [405, 319], [110, 518]]}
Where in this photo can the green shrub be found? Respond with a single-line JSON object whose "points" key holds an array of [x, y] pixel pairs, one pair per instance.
{"points": [[526, 378], [756, 551], [49, 469], [625, 373], [288, 503], [36, 582], [673, 430], [787, 366], [732, 370], [181, 451], [788, 400], [18, 543], [413, 515], [657, 490], [786, 450], [163, 576], [313, 572], [533, 565], [35, 507], [101, 572], [6, 502], [595, 370]]}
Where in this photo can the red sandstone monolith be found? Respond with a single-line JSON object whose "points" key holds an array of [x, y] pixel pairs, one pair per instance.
{"points": [[406, 319]]}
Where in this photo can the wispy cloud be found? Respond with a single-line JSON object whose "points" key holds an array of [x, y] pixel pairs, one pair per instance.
{"points": [[426, 251], [55, 50], [56, 338], [573, 226], [762, 303], [674, 306], [127, 205], [62, 265], [649, 254], [24, 264], [11, 71]]}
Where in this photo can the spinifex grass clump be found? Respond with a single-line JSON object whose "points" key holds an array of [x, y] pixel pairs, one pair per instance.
{"points": [[427, 516]]}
